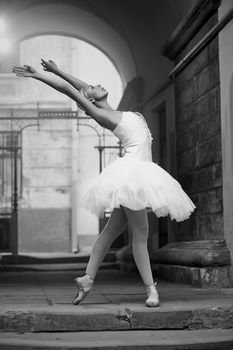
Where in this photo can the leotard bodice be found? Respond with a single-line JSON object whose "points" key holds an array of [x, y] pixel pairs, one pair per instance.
{"points": [[135, 136]]}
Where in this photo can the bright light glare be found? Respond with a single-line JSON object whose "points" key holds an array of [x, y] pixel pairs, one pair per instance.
{"points": [[2, 25], [4, 45]]}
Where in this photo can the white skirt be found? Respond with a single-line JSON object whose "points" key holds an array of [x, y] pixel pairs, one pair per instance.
{"points": [[137, 185]]}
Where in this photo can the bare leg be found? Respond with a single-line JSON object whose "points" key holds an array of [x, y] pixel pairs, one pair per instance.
{"points": [[139, 223], [115, 225]]}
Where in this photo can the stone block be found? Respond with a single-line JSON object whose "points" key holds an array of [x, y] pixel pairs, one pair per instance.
{"points": [[186, 161], [210, 201], [161, 320], [202, 107], [185, 95], [199, 109], [203, 81], [200, 277], [208, 177], [214, 72], [191, 319], [214, 99], [36, 321], [211, 226], [194, 253], [209, 126], [185, 118], [209, 152], [187, 139]]}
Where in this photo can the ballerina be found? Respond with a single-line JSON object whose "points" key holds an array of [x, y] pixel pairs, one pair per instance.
{"points": [[127, 187]]}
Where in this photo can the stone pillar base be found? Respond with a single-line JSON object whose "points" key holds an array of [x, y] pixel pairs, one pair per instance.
{"points": [[205, 277], [203, 264]]}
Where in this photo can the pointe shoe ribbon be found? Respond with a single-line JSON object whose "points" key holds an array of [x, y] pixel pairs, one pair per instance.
{"points": [[153, 297], [83, 289]]}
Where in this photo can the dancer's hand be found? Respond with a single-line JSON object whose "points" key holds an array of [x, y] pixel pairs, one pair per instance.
{"points": [[24, 71], [49, 66]]}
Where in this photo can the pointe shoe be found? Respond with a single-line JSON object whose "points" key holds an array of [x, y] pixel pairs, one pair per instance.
{"points": [[84, 284], [153, 297]]}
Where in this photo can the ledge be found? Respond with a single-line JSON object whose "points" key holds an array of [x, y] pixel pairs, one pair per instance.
{"points": [[189, 26], [194, 253]]}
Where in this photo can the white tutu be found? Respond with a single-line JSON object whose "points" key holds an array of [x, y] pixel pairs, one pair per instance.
{"points": [[137, 185], [134, 181]]}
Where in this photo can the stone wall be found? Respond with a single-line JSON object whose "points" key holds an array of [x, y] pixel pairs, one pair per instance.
{"points": [[198, 126]]}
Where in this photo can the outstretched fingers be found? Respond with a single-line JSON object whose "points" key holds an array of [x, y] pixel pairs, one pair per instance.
{"points": [[23, 71], [18, 70], [49, 66], [44, 65]]}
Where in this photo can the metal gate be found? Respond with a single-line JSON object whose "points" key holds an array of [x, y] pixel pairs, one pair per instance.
{"points": [[10, 170], [12, 125]]}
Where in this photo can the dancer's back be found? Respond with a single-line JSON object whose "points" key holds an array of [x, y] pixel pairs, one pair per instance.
{"points": [[135, 136]]}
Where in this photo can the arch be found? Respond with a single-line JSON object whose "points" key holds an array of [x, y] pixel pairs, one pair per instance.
{"points": [[77, 23]]}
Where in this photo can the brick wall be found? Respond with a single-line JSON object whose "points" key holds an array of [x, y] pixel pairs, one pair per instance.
{"points": [[198, 126]]}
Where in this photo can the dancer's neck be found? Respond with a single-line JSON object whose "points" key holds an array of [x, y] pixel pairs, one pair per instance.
{"points": [[104, 105]]}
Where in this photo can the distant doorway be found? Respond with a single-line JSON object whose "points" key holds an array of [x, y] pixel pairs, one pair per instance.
{"points": [[60, 158]]}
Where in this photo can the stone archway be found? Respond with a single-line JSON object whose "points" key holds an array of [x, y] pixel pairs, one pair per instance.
{"points": [[78, 23]]}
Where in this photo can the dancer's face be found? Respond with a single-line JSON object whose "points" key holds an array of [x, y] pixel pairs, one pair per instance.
{"points": [[97, 92]]}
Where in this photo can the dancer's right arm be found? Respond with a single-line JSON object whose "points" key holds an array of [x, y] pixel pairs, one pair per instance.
{"points": [[51, 66], [101, 116]]}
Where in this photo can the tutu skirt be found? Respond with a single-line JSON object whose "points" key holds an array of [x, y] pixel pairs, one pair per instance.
{"points": [[137, 185]]}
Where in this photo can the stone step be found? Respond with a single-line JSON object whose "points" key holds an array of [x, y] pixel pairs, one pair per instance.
{"points": [[102, 317], [209, 339], [77, 266], [51, 258]]}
